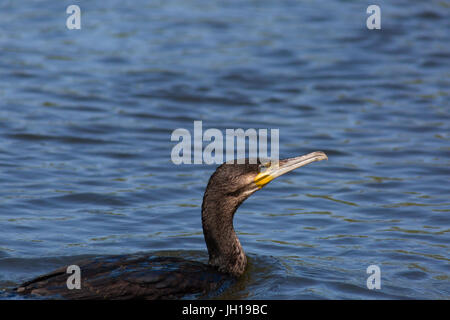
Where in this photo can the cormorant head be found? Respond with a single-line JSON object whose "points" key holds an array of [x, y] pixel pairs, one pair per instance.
{"points": [[227, 188], [239, 181]]}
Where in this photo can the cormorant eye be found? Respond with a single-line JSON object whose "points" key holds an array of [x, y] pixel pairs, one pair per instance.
{"points": [[264, 166]]}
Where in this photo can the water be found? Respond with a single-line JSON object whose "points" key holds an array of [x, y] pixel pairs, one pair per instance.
{"points": [[86, 117]]}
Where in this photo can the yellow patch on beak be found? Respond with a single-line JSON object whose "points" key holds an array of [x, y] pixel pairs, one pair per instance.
{"points": [[262, 179]]}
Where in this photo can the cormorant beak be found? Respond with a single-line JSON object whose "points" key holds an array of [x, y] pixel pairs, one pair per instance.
{"points": [[278, 168]]}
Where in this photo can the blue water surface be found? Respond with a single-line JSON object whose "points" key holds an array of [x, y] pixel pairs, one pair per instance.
{"points": [[86, 118]]}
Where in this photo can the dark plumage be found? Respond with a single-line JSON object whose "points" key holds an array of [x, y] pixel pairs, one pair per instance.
{"points": [[143, 276], [138, 276]]}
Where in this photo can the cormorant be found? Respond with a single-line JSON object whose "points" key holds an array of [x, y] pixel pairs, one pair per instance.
{"points": [[143, 276]]}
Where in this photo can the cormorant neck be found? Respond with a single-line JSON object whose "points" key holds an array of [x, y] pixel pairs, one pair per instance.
{"points": [[225, 250]]}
